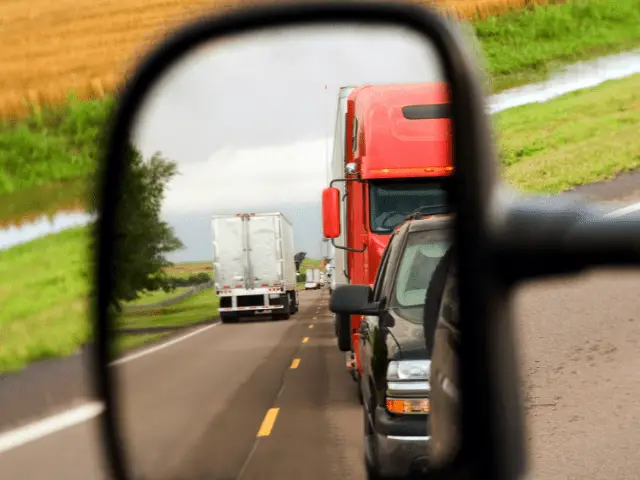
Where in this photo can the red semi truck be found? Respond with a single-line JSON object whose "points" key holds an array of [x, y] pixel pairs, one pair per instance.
{"points": [[392, 156]]}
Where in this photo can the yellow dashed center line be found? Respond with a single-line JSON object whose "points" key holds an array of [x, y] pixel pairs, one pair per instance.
{"points": [[305, 339], [268, 422], [315, 318], [310, 326], [295, 363]]}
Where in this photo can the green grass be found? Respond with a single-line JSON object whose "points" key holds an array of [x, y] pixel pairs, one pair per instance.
{"points": [[582, 137], [309, 263], [53, 145], [157, 296], [200, 307], [522, 47], [44, 285], [186, 269], [47, 284]]}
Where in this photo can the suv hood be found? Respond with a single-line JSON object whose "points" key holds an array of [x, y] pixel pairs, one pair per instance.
{"points": [[406, 339]]}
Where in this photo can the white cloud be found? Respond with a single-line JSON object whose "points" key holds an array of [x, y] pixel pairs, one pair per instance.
{"points": [[246, 179]]}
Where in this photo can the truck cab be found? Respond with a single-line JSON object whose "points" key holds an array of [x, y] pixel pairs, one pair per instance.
{"points": [[392, 157]]}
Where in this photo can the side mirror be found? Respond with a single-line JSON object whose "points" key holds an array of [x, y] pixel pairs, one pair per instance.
{"points": [[353, 300], [331, 212], [500, 240], [386, 319]]}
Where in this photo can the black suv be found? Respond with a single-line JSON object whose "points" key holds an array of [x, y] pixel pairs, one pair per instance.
{"points": [[395, 385]]}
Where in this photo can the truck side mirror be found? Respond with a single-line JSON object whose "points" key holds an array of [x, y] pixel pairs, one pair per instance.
{"points": [[331, 212]]}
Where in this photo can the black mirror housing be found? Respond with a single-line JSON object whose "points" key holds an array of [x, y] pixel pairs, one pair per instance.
{"points": [[492, 430], [353, 300]]}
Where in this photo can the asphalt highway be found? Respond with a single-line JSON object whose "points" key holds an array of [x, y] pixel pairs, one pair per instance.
{"points": [[205, 408], [271, 399]]}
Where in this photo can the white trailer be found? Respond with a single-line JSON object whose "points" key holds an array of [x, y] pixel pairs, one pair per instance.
{"points": [[254, 266], [337, 170], [310, 283], [330, 276], [317, 277]]}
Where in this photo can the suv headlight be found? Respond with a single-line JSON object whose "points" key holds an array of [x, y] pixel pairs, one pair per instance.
{"points": [[408, 386], [405, 370]]}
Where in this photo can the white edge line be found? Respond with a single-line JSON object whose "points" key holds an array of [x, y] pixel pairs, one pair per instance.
{"points": [[55, 423], [155, 348], [36, 430], [634, 207]]}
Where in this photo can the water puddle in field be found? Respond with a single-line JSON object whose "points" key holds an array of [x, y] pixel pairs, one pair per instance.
{"points": [[569, 79], [31, 215], [44, 225]]}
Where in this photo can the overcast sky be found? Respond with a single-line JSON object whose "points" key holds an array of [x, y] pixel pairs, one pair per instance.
{"points": [[250, 123]]}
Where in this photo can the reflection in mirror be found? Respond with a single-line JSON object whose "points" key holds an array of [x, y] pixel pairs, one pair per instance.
{"points": [[228, 362]]}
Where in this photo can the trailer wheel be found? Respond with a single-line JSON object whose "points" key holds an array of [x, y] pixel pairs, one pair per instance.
{"points": [[343, 330], [286, 311], [228, 317], [294, 303]]}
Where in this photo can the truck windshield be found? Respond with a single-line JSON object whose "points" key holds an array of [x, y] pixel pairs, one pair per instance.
{"points": [[390, 201], [421, 255]]}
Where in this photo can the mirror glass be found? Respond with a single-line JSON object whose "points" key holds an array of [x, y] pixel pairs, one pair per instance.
{"points": [[227, 359]]}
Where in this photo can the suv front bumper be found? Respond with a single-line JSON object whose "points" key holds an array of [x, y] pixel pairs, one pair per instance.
{"points": [[401, 445]]}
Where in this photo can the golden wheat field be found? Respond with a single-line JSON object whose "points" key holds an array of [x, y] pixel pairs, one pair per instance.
{"points": [[48, 48]]}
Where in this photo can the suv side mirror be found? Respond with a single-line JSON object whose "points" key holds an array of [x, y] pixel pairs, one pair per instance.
{"points": [[331, 212], [353, 300], [386, 319]]}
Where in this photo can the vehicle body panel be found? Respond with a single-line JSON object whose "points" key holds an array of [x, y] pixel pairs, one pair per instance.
{"points": [[445, 396], [383, 145], [399, 440]]}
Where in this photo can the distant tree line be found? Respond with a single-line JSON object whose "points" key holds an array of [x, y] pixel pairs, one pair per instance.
{"points": [[298, 258], [190, 281]]}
